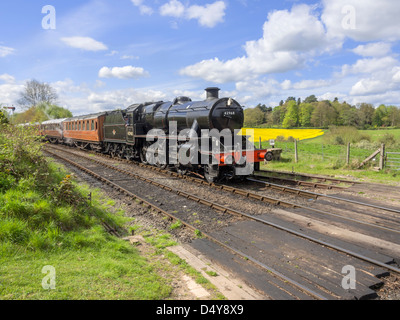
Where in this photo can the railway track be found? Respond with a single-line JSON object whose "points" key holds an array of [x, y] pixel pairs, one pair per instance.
{"points": [[320, 195], [301, 183], [303, 179], [298, 283], [390, 225]]}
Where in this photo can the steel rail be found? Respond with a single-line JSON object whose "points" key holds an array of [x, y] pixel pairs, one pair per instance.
{"points": [[310, 176], [233, 211], [302, 183], [159, 210], [320, 195]]}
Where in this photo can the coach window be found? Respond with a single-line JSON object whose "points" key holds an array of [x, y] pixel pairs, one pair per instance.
{"points": [[96, 125], [92, 123]]}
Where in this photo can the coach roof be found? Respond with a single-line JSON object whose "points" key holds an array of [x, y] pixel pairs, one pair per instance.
{"points": [[86, 117]]}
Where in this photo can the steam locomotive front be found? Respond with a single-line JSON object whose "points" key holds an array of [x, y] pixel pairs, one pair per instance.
{"points": [[226, 113]]}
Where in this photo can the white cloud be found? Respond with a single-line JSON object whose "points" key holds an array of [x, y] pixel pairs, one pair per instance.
{"points": [[289, 39], [84, 43], [174, 8], [7, 78], [110, 100], [362, 20], [144, 10], [259, 89], [369, 66], [396, 75], [100, 84], [112, 53], [306, 84], [376, 49], [128, 57], [208, 15], [10, 93], [375, 76], [296, 30], [127, 72], [5, 51], [367, 87]]}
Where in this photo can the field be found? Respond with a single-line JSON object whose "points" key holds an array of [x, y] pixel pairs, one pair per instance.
{"points": [[316, 155], [268, 134]]}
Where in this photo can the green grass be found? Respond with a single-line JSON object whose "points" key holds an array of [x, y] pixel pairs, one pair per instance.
{"points": [[46, 219], [318, 157], [113, 271], [89, 263]]}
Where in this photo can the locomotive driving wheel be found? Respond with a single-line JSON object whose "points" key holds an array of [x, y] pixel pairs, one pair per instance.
{"points": [[143, 152], [210, 174], [180, 170]]}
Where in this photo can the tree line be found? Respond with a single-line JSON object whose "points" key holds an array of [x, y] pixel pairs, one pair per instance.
{"points": [[294, 113], [39, 103]]}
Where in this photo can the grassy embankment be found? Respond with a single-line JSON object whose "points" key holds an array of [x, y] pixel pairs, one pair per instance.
{"points": [[46, 219], [326, 154]]}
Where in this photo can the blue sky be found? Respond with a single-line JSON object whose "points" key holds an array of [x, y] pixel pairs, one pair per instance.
{"points": [[106, 54]]}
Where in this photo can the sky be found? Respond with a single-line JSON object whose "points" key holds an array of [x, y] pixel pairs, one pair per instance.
{"points": [[102, 55]]}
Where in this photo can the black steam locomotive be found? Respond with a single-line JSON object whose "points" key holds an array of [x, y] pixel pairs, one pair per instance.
{"points": [[186, 135]]}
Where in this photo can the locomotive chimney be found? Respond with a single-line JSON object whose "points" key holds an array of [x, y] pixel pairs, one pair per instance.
{"points": [[212, 93]]}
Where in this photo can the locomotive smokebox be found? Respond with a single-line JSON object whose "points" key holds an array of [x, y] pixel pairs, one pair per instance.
{"points": [[212, 93]]}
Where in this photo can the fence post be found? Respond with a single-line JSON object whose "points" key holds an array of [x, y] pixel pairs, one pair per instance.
{"points": [[322, 151], [259, 143], [382, 158], [296, 155], [348, 154]]}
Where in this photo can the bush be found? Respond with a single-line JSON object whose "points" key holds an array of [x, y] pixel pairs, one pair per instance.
{"points": [[365, 144], [388, 139], [344, 135]]}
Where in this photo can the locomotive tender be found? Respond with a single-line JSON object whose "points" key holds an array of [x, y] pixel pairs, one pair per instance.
{"points": [[189, 136]]}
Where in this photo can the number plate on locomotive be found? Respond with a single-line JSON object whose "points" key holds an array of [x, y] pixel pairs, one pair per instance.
{"points": [[229, 114]]}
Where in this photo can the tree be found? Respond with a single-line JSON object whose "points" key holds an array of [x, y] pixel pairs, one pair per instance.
{"points": [[305, 112], [278, 114], [393, 116], [292, 115], [347, 115], [54, 111], [3, 117], [290, 99], [32, 115], [366, 114], [323, 115], [253, 117], [36, 92], [311, 99], [380, 116]]}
